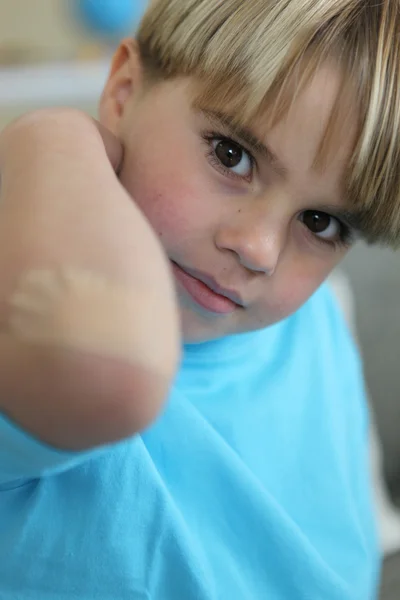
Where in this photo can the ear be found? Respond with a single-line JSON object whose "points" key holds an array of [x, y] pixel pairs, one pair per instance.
{"points": [[124, 81]]}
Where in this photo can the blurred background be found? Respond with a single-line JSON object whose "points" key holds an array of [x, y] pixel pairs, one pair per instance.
{"points": [[57, 52]]}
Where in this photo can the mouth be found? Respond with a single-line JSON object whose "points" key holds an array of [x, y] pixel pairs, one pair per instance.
{"points": [[205, 292]]}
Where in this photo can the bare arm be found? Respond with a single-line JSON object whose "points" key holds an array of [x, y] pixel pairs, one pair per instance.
{"points": [[89, 328]]}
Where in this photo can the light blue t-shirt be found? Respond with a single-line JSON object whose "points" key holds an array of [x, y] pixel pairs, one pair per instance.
{"points": [[252, 485]]}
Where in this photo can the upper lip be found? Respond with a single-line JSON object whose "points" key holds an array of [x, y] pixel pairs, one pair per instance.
{"points": [[211, 283]]}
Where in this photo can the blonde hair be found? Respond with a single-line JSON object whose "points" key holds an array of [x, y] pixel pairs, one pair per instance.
{"points": [[247, 53]]}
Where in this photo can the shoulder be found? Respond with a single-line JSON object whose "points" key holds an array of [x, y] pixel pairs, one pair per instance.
{"points": [[322, 360], [331, 415], [315, 344], [325, 324]]}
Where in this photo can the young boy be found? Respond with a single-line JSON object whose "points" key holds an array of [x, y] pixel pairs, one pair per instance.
{"points": [[252, 142]]}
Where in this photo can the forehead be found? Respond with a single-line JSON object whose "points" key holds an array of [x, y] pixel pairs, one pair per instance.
{"points": [[315, 108], [318, 131]]}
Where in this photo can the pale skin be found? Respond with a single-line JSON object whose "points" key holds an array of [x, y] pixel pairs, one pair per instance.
{"points": [[70, 281], [241, 226], [264, 234]]}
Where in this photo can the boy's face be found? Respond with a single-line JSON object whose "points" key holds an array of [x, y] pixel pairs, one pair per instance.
{"points": [[250, 226]]}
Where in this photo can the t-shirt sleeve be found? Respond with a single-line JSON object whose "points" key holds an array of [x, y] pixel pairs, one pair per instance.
{"points": [[24, 457]]}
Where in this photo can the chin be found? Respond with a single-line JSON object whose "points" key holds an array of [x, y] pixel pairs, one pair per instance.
{"points": [[193, 333], [197, 329]]}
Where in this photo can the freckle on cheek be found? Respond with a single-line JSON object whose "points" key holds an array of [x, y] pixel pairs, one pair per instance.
{"points": [[168, 212]]}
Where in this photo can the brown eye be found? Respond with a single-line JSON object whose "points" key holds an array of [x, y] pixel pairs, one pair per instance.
{"points": [[322, 225], [229, 154], [233, 157]]}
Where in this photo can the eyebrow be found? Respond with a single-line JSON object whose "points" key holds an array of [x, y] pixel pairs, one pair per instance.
{"points": [[245, 135]]}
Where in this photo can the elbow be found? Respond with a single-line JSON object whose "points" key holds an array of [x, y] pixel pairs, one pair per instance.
{"points": [[94, 376], [76, 401], [102, 401]]}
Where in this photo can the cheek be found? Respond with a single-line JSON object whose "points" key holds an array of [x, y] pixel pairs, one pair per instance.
{"points": [[294, 285], [298, 290], [167, 199]]}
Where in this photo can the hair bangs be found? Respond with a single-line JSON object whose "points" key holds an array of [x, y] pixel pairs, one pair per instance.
{"points": [[252, 59]]}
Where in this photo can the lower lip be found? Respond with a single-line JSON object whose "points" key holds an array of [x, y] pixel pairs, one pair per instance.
{"points": [[203, 295]]}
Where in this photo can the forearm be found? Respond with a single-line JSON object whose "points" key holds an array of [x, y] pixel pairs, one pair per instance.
{"points": [[76, 299], [48, 165]]}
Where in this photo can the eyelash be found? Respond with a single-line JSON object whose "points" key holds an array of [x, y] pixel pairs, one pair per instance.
{"points": [[346, 237], [210, 137]]}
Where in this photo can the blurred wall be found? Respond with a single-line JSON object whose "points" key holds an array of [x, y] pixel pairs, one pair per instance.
{"points": [[40, 32], [375, 276], [41, 24]]}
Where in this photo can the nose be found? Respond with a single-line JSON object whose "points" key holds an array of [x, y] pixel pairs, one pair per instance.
{"points": [[256, 238]]}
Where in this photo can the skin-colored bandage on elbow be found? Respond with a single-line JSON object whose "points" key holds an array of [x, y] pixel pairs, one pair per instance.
{"points": [[80, 310]]}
